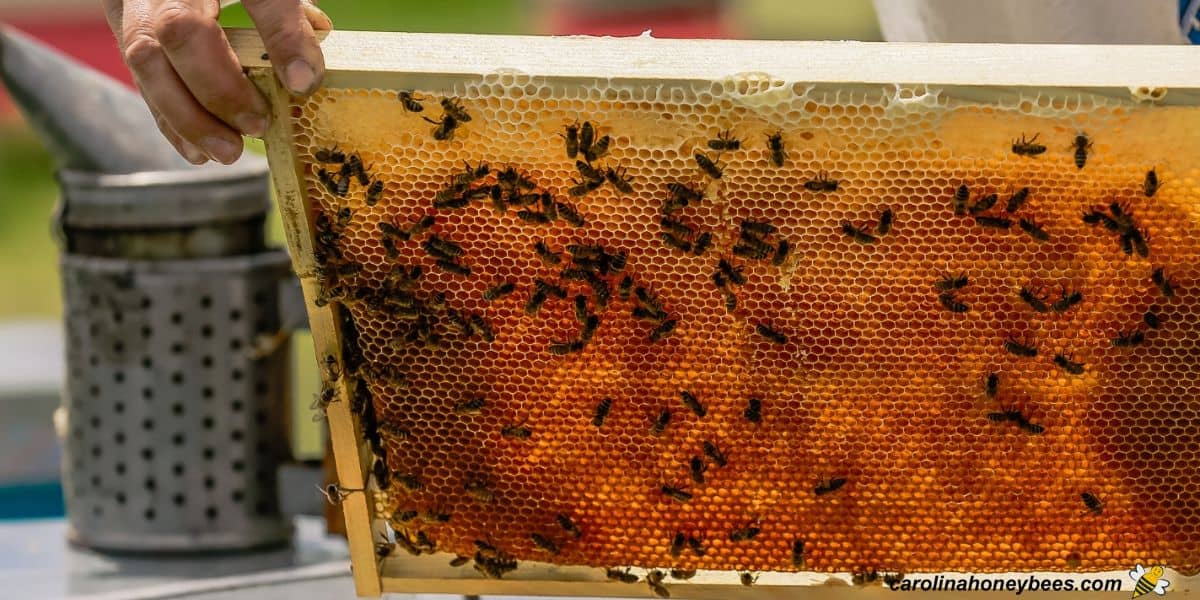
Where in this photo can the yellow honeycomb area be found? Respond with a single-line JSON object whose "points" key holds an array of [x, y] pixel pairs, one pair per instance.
{"points": [[877, 384]]}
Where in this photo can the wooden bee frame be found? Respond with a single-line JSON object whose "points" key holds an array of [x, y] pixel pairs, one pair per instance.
{"points": [[1157, 74]]}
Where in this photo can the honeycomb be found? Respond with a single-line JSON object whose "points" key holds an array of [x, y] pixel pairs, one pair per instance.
{"points": [[834, 357]]}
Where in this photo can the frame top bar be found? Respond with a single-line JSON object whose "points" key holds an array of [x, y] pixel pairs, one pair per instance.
{"points": [[645, 57]]}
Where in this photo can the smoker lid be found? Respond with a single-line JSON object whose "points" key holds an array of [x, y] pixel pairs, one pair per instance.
{"points": [[164, 199]]}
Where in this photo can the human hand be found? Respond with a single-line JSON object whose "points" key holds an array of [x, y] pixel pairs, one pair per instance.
{"points": [[191, 79]]}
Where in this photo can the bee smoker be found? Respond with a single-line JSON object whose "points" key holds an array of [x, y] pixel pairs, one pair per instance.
{"points": [[175, 397], [173, 416]]}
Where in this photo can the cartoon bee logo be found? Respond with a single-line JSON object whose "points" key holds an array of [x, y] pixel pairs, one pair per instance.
{"points": [[1148, 580]]}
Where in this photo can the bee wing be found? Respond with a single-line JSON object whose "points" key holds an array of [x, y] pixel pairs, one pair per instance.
{"points": [[1137, 572], [1160, 588]]}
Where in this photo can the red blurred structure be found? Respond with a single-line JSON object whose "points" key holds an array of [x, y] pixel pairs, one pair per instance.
{"points": [[80, 33], [665, 18]]}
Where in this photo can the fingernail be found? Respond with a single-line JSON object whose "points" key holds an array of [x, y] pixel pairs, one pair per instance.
{"points": [[253, 125], [193, 154], [299, 76], [221, 149]]}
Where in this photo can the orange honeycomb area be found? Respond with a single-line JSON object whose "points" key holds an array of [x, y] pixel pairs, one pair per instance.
{"points": [[881, 441]]}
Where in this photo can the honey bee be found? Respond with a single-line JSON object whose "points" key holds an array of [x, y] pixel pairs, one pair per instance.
{"points": [[569, 214], [516, 432], [993, 222], [568, 525], [857, 234], [748, 578], [993, 385], [1081, 144], [798, 554], [952, 282], [753, 412], [622, 576], [344, 216], [403, 541], [772, 336], [1030, 147], [544, 544], [660, 422], [1032, 299], [406, 516], [885, 221], [676, 494], [409, 481], [654, 580], [1067, 300], [744, 534], [864, 577], [601, 413], [961, 196], [625, 287], [1020, 348], [662, 330], [822, 183], [681, 196], [588, 172], [697, 467], [619, 179], [380, 471], [675, 241], [1095, 216], [951, 303], [571, 138], [775, 148], [696, 546], [730, 299], [984, 204], [703, 243], [330, 155], [829, 486], [755, 250], [683, 574], [1134, 240], [472, 406], [598, 149], [410, 103], [1065, 363], [479, 490], [499, 290], [781, 253], [714, 454], [440, 248], [455, 268], [374, 192], [454, 108], [707, 165], [724, 141], [1017, 200], [587, 134], [692, 403], [1165, 285], [1092, 503], [444, 129], [460, 560], [321, 402], [584, 187], [677, 543], [1152, 319], [1150, 183], [1034, 230], [1129, 339], [733, 274], [336, 494], [535, 217]]}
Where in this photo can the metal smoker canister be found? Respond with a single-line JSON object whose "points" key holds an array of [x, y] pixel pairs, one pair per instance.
{"points": [[174, 423]]}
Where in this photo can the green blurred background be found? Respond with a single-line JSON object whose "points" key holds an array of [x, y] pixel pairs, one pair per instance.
{"points": [[27, 254]]}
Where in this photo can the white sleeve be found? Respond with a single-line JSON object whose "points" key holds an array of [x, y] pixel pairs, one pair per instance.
{"points": [[1031, 21]]}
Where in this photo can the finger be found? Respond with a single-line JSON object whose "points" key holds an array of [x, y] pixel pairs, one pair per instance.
{"points": [[289, 40], [186, 149], [316, 17], [112, 14], [196, 46], [166, 93]]}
